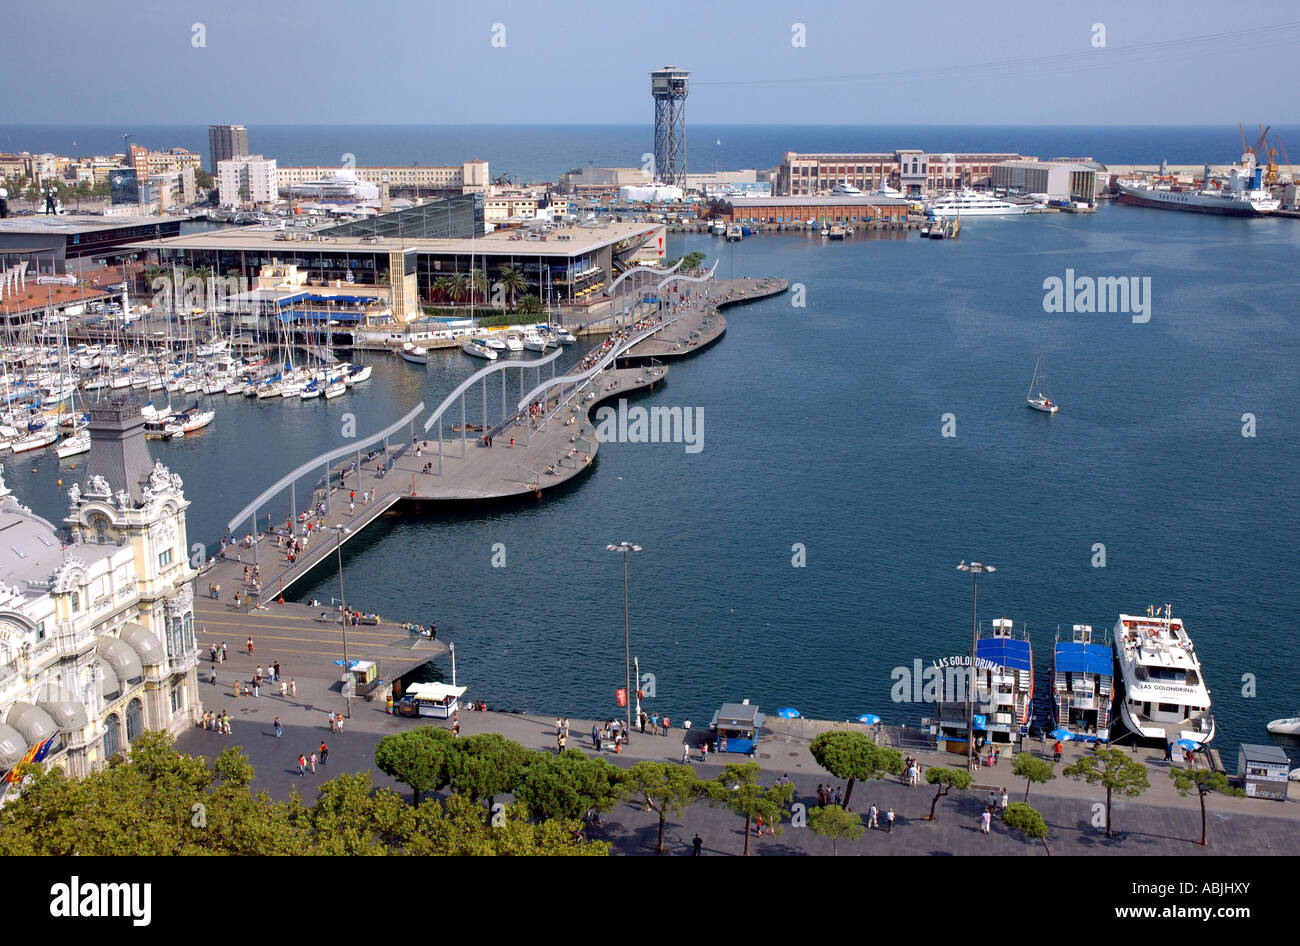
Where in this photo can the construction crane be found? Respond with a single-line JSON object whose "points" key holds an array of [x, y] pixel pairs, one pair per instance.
{"points": [[1274, 173]]}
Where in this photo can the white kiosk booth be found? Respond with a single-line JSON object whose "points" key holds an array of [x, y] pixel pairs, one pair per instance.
{"points": [[438, 700]]}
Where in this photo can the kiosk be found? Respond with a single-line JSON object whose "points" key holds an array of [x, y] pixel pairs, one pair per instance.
{"points": [[735, 727], [437, 700]]}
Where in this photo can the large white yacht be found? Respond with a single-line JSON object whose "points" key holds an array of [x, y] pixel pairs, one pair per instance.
{"points": [[845, 189], [1165, 696], [969, 203]]}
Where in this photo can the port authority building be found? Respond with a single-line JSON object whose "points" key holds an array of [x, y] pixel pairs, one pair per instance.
{"points": [[1059, 181], [911, 171], [96, 617], [824, 209], [409, 250]]}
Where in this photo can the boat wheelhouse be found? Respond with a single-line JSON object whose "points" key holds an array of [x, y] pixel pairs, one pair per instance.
{"points": [[1082, 685]]}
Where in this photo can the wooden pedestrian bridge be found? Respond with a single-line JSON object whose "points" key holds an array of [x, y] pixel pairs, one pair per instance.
{"points": [[542, 441]]}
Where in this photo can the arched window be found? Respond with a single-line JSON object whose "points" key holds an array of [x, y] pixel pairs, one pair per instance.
{"points": [[112, 735], [76, 602], [134, 720]]}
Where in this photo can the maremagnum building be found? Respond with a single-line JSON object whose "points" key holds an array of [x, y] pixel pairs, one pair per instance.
{"points": [[409, 250], [96, 617]]}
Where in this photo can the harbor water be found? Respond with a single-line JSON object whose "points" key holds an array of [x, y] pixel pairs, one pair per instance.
{"points": [[824, 445]]}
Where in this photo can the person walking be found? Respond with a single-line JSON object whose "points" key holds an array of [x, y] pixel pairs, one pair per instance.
{"points": [[455, 725], [250, 647], [224, 650], [276, 668], [666, 723], [696, 845], [686, 753], [986, 819], [704, 751], [1005, 799], [279, 730], [312, 762], [302, 765], [212, 675], [284, 689], [560, 741], [889, 818], [293, 688], [332, 726], [1057, 749], [324, 753], [873, 813], [643, 721]]}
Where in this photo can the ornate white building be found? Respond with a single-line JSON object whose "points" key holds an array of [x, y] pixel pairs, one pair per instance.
{"points": [[96, 619]]}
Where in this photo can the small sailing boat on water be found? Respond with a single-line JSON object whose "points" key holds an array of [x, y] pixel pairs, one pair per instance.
{"points": [[1036, 398]]}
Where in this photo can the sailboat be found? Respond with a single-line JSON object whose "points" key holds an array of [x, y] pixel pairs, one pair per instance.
{"points": [[1036, 398]]}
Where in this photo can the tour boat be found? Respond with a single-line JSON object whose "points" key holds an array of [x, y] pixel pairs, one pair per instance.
{"points": [[1082, 685], [1004, 669], [476, 347], [1036, 399], [1165, 696]]}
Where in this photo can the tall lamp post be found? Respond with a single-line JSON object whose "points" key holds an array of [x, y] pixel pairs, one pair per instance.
{"points": [[976, 569], [624, 548], [347, 665]]}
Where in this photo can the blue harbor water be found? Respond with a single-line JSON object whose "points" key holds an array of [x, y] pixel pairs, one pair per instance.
{"points": [[542, 152], [823, 428]]}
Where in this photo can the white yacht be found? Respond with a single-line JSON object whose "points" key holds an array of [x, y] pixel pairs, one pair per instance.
{"points": [[1036, 398], [884, 190], [734, 233], [1165, 696], [75, 445], [969, 203], [845, 189], [495, 343], [514, 342], [565, 336], [533, 341], [476, 347]]}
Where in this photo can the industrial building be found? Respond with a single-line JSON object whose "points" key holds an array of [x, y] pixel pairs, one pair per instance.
{"points": [[1076, 182], [593, 182], [911, 171], [826, 209], [467, 178]]}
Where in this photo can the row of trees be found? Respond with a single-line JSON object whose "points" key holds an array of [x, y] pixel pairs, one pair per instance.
{"points": [[562, 787], [163, 803], [23, 188], [855, 757]]}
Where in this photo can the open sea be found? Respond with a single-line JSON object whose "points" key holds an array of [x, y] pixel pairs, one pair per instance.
{"points": [[823, 429]]}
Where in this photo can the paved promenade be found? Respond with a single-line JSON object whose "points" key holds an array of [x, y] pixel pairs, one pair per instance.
{"points": [[1158, 823]]}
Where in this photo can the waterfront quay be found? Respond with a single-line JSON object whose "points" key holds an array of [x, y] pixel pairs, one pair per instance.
{"points": [[1160, 822]]}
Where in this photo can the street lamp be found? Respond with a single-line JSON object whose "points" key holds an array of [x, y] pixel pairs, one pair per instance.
{"points": [[347, 666], [624, 548], [976, 569]]}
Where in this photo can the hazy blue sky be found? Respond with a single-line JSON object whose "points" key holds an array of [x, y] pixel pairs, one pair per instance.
{"points": [[393, 61]]}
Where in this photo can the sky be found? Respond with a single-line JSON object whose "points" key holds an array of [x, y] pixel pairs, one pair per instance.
{"points": [[582, 62]]}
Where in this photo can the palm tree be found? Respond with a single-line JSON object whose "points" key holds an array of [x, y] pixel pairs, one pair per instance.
{"points": [[477, 283], [460, 287], [530, 305], [442, 286], [382, 279], [513, 281]]}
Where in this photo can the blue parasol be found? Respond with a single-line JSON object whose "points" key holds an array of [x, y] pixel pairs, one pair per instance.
{"points": [[788, 713], [870, 719], [1188, 744], [1062, 734]]}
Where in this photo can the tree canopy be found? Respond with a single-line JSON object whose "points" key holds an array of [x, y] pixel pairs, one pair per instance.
{"points": [[1113, 769], [854, 756]]}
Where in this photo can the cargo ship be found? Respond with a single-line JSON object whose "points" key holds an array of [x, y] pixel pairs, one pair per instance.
{"points": [[1240, 194]]}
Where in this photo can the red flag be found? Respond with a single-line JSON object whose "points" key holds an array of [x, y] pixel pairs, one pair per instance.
{"points": [[621, 695]]}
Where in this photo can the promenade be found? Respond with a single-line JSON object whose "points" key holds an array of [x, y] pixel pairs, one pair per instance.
{"points": [[1160, 822]]}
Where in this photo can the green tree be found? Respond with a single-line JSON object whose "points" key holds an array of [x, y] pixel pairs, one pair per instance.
{"points": [[203, 179], [666, 789], [947, 779], [442, 287], [513, 282], [836, 823], [1203, 781], [853, 756], [466, 829], [460, 287], [1033, 770], [1020, 817], [487, 765], [1113, 769], [567, 785], [418, 758], [737, 790], [529, 305]]}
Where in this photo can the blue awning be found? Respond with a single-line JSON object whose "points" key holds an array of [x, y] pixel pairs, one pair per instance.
{"points": [[1072, 657], [1005, 652]]}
